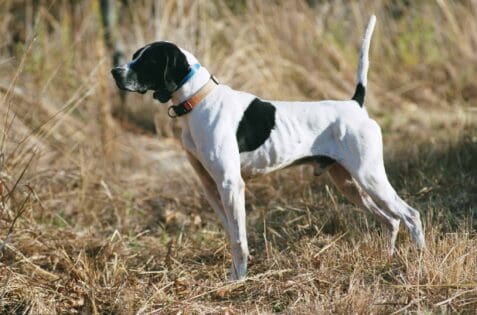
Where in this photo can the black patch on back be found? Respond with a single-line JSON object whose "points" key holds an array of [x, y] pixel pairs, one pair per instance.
{"points": [[256, 125], [359, 94]]}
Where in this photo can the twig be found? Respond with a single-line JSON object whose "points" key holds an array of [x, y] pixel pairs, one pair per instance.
{"points": [[19, 178], [436, 286], [330, 244], [454, 297], [42, 271], [10, 230], [402, 309], [238, 284]]}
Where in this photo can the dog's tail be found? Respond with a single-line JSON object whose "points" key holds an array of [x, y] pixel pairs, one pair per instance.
{"points": [[363, 64]]}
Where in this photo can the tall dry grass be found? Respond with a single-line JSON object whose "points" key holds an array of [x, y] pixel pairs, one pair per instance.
{"points": [[89, 229]]}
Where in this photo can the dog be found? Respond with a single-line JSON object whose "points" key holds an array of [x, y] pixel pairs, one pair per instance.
{"points": [[230, 136]]}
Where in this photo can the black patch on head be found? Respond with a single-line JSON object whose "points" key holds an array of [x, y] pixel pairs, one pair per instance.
{"points": [[136, 54], [161, 66], [359, 94], [256, 125]]}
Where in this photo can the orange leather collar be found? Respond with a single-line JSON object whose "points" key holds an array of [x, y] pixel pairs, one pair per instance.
{"points": [[188, 105]]}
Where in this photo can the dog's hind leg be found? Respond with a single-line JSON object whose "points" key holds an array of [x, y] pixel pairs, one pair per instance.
{"points": [[367, 168], [376, 184], [351, 190]]}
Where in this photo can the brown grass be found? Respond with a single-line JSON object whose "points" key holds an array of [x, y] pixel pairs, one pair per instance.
{"points": [[131, 232]]}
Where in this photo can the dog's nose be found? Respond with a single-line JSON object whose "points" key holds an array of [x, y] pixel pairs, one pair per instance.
{"points": [[116, 71]]}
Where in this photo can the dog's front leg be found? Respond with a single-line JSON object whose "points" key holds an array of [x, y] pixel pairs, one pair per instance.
{"points": [[210, 190], [232, 192], [222, 161], [218, 154]]}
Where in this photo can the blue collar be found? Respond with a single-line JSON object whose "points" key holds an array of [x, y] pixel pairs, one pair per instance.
{"points": [[189, 75]]}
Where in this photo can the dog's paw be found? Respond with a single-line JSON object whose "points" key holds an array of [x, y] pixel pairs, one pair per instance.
{"points": [[237, 273]]}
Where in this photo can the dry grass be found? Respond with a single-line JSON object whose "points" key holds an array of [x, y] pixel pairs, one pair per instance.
{"points": [[95, 221]]}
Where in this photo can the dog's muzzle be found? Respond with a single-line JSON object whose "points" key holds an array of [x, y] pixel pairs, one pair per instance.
{"points": [[118, 75], [123, 79]]}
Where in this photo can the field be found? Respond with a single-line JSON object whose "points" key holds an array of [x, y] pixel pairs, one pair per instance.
{"points": [[101, 213]]}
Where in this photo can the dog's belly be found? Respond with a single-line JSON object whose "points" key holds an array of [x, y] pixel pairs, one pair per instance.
{"points": [[286, 145], [254, 163], [267, 159]]}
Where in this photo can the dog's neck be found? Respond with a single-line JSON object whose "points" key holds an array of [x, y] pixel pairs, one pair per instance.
{"points": [[194, 84], [191, 87]]}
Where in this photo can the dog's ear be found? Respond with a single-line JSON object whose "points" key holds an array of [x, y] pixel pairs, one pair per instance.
{"points": [[170, 72], [175, 68]]}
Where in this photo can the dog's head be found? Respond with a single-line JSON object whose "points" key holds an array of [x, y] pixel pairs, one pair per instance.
{"points": [[159, 67]]}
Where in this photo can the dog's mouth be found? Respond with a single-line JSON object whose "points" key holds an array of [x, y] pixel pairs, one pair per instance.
{"points": [[123, 87], [161, 96], [120, 85], [125, 83]]}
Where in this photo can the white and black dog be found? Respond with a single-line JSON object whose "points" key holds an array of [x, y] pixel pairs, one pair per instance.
{"points": [[231, 135]]}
